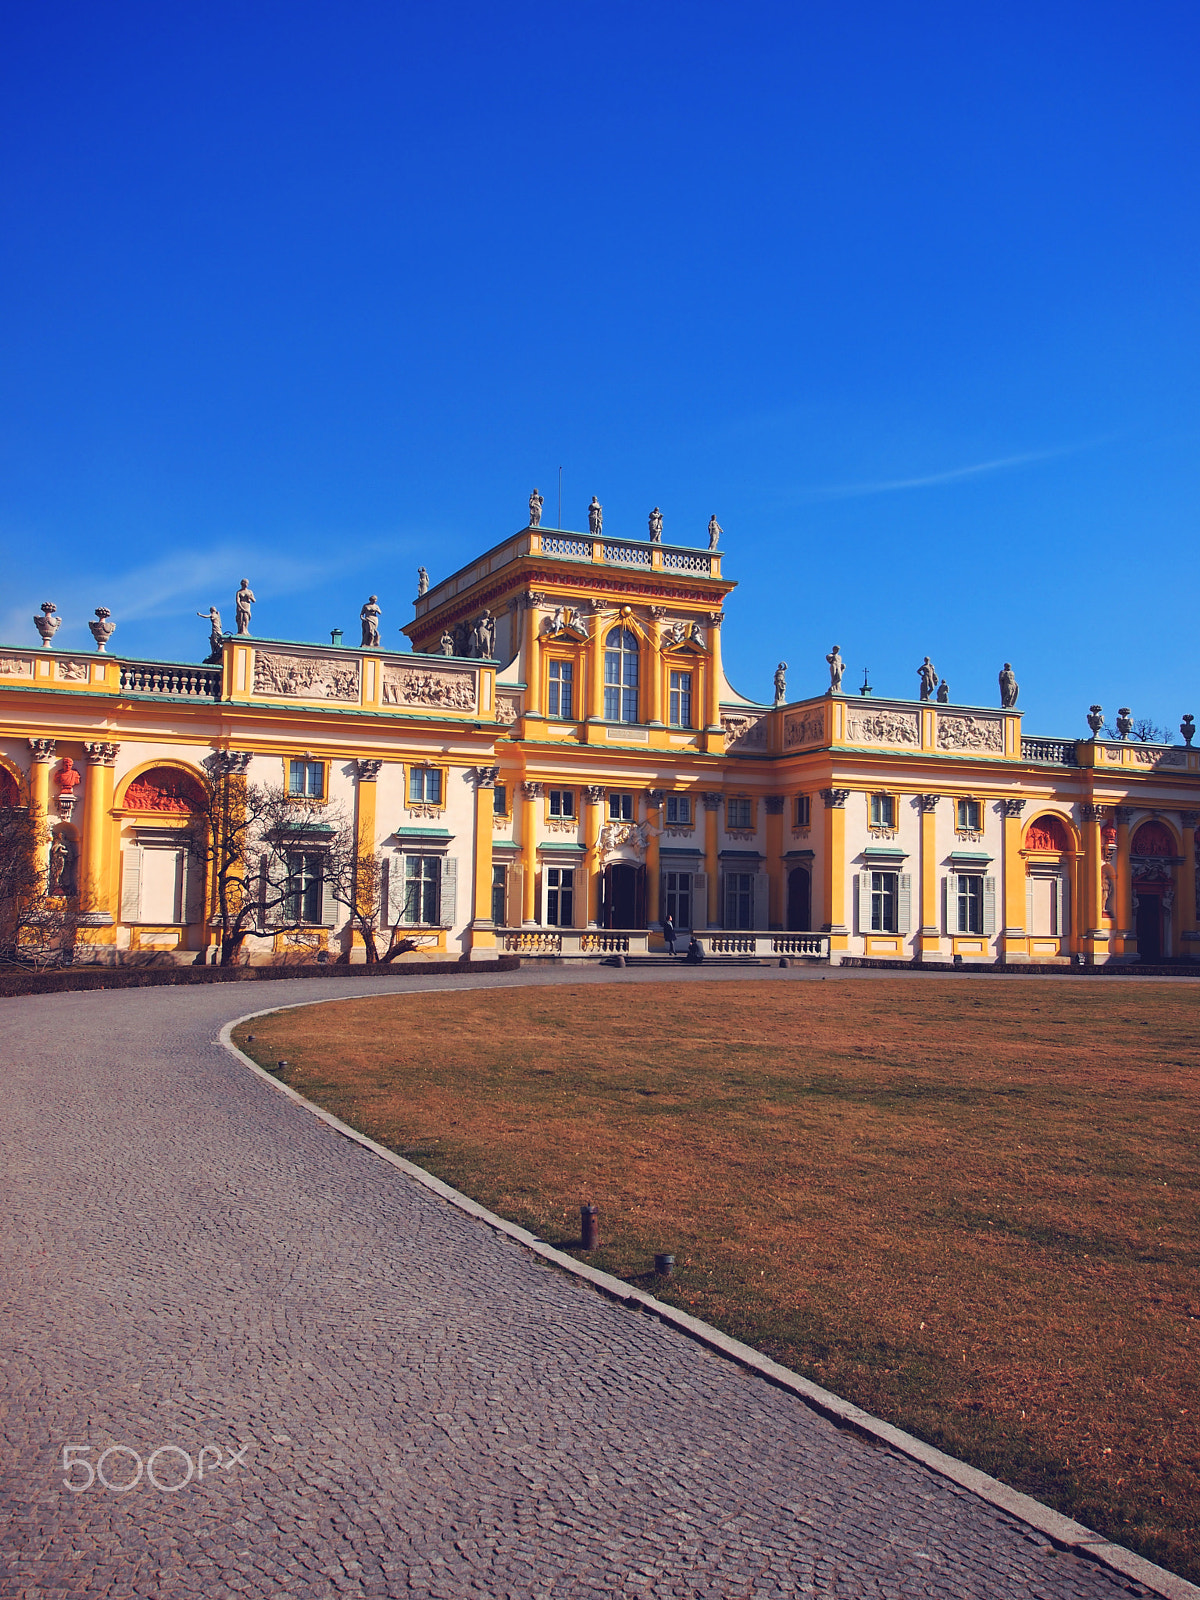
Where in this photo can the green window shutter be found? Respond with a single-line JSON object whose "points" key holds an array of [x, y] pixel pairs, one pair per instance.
{"points": [[989, 906], [330, 909], [904, 903], [950, 886], [859, 911], [449, 907], [131, 884], [1064, 906], [194, 873]]}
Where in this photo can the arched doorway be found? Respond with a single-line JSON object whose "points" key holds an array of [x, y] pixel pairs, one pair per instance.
{"points": [[623, 896], [799, 901], [1048, 851], [1152, 853]]}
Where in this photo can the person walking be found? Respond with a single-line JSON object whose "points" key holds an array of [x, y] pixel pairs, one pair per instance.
{"points": [[669, 933]]}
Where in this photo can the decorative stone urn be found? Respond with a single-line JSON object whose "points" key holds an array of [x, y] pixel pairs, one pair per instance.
{"points": [[103, 628], [48, 623]]}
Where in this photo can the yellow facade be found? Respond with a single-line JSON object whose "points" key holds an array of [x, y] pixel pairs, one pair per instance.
{"points": [[595, 772]]}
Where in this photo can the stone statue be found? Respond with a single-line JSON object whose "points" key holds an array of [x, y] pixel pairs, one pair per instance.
{"points": [[1095, 720], [656, 526], [103, 628], [1124, 722], [943, 693], [422, 582], [536, 502], [48, 623], [595, 518], [486, 634], [215, 632], [715, 530], [243, 600], [677, 632], [1188, 728], [836, 668], [62, 865], [1008, 687], [369, 617], [928, 677], [446, 642], [781, 683]]}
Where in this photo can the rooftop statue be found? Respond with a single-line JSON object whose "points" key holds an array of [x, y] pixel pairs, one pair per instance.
{"points": [[369, 617], [928, 677], [1009, 687], [422, 582], [715, 530], [446, 642], [48, 623], [656, 526], [103, 628], [215, 632], [243, 600], [836, 668], [595, 518], [781, 683], [943, 693], [536, 502]]}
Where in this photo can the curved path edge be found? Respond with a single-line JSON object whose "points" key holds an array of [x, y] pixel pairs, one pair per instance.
{"points": [[1063, 1532]]}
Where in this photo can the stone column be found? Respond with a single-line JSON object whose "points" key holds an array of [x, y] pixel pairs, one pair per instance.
{"points": [[1094, 937], [1123, 934], [365, 882], [654, 666], [1185, 892], [531, 797], [1014, 941], [712, 711], [483, 927], [654, 800], [775, 887], [95, 899], [835, 871], [533, 653], [712, 807], [930, 939], [39, 777], [593, 795]]}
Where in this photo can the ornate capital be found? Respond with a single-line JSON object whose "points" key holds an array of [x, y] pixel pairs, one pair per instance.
{"points": [[485, 777], [534, 597], [368, 770], [1122, 815], [230, 763], [929, 802], [593, 793], [835, 799], [1013, 808], [531, 789], [43, 749], [1092, 813], [712, 799], [659, 612], [101, 754], [716, 618], [656, 796], [775, 804]]}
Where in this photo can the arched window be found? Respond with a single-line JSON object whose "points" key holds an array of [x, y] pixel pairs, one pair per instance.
{"points": [[1047, 833], [164, 789], [621, 676], [1152, 839]]}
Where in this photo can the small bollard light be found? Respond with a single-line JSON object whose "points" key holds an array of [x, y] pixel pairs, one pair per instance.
{"points": [[281, 1066], [589, 1226], [664, 1265]]}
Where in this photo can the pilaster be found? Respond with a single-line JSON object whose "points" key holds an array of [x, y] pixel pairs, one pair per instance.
{"points": [[96, 896], [593, 795], [366, 870], [1014, 941], [712, 810], [929, 942], [531, 794], [1093, 936], [1186, 892], [775, 886], [835, 871], [654, 800], [1123, 934], [483, 928]]}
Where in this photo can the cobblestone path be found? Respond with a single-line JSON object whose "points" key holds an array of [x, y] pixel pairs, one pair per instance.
{"points": [[388, 1397]]}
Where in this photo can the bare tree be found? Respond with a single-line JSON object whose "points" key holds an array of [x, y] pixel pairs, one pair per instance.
{"points": [[37, 920], [356, 881], [1142, 729]]}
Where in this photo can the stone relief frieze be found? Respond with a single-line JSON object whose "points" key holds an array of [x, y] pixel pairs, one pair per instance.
{"points": [[615, 836], [419, 686], [804, 727], [970, 733], [307, 677], [1172, 758], [508, 707], [15, 667], [71, 671], [883, 727], [744, 733]]}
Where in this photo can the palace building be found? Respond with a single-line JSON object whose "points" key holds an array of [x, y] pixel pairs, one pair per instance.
{"points": [[560, 762]]}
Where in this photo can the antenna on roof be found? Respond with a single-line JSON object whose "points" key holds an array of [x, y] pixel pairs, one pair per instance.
{"points": [[560, 499]]}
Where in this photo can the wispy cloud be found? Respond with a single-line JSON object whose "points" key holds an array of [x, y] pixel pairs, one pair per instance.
{"points": [[932, 480]]}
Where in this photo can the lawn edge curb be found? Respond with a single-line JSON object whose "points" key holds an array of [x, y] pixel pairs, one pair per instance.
{"points": [[1062, 1532]]}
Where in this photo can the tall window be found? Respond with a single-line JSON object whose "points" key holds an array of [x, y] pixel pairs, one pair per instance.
{"points": [[499, 885], [303, 903], [883, 811], [422, 888], [802, 813], [967, 816], [621, 676], [562, 678], [562, 802], [739, 900], [500, 800], [679, 898], [679, 809], [739, 813], [680, 712], [560, 896], [620, 808], [306, 780], [425, 786], [883, 902], [970, 904]]}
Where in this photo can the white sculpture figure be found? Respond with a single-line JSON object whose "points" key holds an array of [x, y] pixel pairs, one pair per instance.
{"points": [[781, 683], [215, 632], [48, 623], [422, 582], [595, 518], [836, 668], [242, 601], [656, 526], [536, 502], [677, 632], [447, 642], [555, 622], [715, 530], [486, 633], [369, 617]]}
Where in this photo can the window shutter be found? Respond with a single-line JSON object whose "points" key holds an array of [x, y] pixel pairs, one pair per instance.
{"points": [[1064, 906], [330, 909], [449, 891], [762, 902], [861, 901], [131, 884], [1028, 905], [268, 915], [194, 873], [699, 900], [393, 891], [989, 906], [904, 903], [950, 902]]}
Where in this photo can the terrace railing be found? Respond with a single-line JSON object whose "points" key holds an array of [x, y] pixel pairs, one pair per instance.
{"points": [[173, 683]]}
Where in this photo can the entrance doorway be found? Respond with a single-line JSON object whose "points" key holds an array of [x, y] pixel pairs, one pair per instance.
{"points": [[623, 897], [1148, 926], [799, 903]]}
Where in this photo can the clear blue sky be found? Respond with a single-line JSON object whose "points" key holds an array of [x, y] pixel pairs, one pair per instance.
{"points": [[909, 295]]}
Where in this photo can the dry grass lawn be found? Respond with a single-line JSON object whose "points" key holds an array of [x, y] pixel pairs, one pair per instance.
{"points": [[971, 1206]]}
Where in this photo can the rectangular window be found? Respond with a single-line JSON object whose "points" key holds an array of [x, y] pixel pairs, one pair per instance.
{"points": [[560, 897], [500, 800], [678, 887], [968, 816], [739, 814], [739, 900], [562, 802], [562, 677], [306, 780], [499, 888], [425, 786], [303, 903], [679, 809], [620, 807], [422, 888], [883, 811], [680, 712], [802, 814], [883, 902], [970, 904]]}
